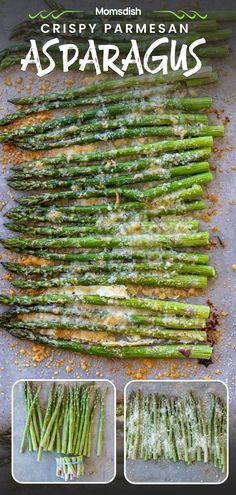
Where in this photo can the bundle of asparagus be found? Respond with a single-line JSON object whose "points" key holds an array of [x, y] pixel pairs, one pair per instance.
{"points": [[67, 424], [176, 429], [69, 468]]}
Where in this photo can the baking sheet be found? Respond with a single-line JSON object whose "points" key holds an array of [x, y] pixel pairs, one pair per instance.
{"points": [[16, 359], [164, 471], [26, 468]]}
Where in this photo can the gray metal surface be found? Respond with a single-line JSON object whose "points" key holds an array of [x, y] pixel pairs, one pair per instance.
{"points": [[16, 364]]}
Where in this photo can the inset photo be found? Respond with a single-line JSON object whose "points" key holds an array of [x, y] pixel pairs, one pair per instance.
{"points": [[63, 431], [176, 432]]}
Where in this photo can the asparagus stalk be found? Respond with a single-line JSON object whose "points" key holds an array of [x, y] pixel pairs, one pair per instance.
{"points": [[123, 133], [108, 85], [122, 229], [159, 306], [71, 420], [33, 431], [189, 144], [65, 426], [105, 316], [165, 280], [47, 271], [91, 421], [178, 208], [127, 254], [85, 429], [71, 125], [135, 194], [29, 419], [77, 406], [84, 403], [101, 426], [186, 104], [45, 436], [184, 351], [46, 420], [137, 241], [76, 128], [162, 334], [61, 214], [190, 169], [132, 95], [164, 161]]}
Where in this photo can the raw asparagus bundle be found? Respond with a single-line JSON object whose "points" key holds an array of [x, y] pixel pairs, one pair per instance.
{"points": [[176, 429], [67, 423], [70, 468]]}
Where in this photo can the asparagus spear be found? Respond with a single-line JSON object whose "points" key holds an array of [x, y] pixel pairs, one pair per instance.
{"points": [[61, 214], [164, 161], [178, 208], [33, 432], [91, 421], [65, 426], [137, 241], [196, 351], [165, 280], [71, 420], [191, 169], [159, 306], [105, 316], [84, 404], [123, 133], [162, 334], [29, 419], [85, 429], [133, 95], [135, 194], [118, 229], [108, 85], [72, 124], [126, 254], [46, 420], [76, 128], [46, 434], [223, 439], [101, 426], [47, 271], [66, 175], [190, 144]]}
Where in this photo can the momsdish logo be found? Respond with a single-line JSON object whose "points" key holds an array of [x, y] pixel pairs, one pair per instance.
{"points": [[179, 14]]}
